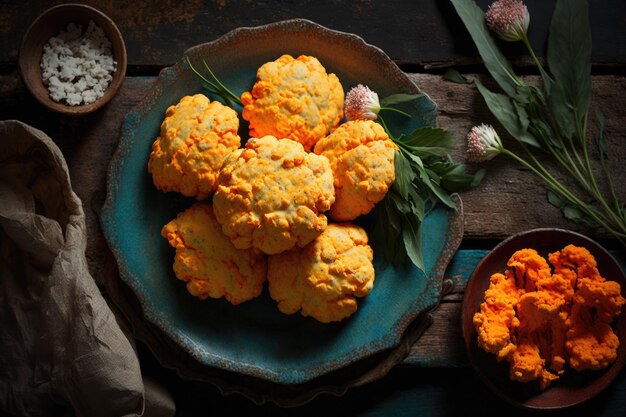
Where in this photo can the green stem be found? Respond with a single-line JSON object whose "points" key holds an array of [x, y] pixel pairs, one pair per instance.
{"points": [[547, 81], [233, 96], [557, 187], [393, 138], [595, 190], [619, 207], [397, 111], [585, 178], [572, 166], [614, 199], [217, 87]]}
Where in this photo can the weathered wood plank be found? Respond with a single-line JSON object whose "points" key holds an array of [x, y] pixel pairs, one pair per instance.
{"points": [[442, 343], [426, 33]]}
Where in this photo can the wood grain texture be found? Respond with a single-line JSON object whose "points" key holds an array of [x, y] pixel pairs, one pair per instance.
{"points": [[427, 33]]}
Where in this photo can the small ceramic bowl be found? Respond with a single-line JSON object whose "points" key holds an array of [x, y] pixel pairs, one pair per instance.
{"points": [[573, 387], [49, 24]]}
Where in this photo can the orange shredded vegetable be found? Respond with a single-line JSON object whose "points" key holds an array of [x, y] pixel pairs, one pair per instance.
{"points": [[540, 321]]}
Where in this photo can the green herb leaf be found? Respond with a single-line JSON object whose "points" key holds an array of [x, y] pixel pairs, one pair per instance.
{"points": [[562, 112], [398, 98], [404, 175], [511, 115], [454, 76], [569, 58], [412, 238], [429, 141], [385, 240], [540, 129], [523, 94], [454, 178], [430, 181], [555, 199], [474, 20], [569, 211], [392, 219]]}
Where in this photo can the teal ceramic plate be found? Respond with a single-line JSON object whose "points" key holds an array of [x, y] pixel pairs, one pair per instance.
{"points": [[254, 338]]}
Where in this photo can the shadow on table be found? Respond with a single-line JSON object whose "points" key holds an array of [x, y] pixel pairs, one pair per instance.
{"points": [[403, 392]]}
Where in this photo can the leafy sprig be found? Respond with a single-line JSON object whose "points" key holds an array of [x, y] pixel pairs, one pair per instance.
{"points": [[553, 119], [425, 176], [214, 85]]}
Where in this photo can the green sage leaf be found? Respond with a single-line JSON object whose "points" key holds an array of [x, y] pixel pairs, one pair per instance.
{"points": [[562, 111], [573, 213], [569, 58], [384, 239], [412, 237], [555, 199], [398, 98], [454, 76], [569, 211], [404, 175], [509, 113], [500, 69], [430, 141], [454, 178], [433, 185], [424, 171]]}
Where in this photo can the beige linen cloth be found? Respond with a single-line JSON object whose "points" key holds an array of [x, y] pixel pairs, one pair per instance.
{"points": [[60, 344]]}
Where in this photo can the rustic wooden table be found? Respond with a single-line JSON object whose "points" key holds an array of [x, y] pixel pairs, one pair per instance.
{"points": [[424, 38]]}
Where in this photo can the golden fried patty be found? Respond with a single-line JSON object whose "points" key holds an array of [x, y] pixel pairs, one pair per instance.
{"points": [[361, 156], [272, 194], [323, 279], [295, 99], [207, 260], [196, 135]]}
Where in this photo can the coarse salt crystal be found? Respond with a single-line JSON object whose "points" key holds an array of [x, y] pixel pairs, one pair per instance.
{"points": [[77, 68]]}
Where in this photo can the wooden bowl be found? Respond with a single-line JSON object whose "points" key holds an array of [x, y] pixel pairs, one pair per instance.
{"points": [[49, 24], [573, 387]]}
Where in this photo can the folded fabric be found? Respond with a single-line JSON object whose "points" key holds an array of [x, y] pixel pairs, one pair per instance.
{"points": [[60, 344]]}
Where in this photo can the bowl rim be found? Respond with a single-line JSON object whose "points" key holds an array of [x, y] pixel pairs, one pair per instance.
{"points": [[119, 54], [468, 339]]}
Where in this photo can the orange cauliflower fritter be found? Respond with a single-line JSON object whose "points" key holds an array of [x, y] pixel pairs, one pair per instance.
{"points": [[323, 279], [529, 268], [591, 343], [539, 321], [272, 195], [496, 321], [361, 156], [528, 365], [207, 260], [294, 99], [196, 135]]}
